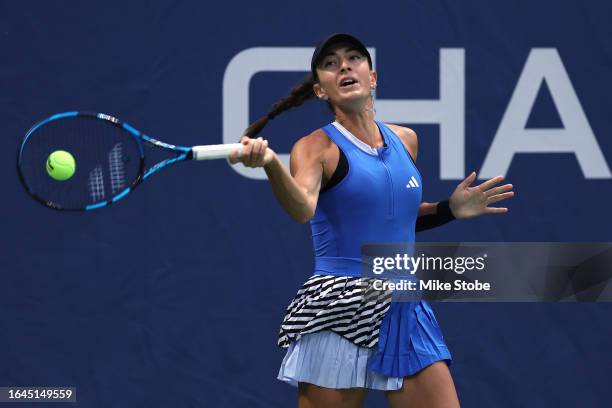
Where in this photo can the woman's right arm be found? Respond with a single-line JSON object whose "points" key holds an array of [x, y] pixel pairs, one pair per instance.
{"points": [[297, 191]]}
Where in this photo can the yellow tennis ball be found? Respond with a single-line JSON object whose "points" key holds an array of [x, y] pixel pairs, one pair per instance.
{"points": [[60, 165]]}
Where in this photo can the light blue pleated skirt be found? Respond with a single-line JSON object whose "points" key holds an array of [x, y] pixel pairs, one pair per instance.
{"points": [[410, 340], [329, 360]]}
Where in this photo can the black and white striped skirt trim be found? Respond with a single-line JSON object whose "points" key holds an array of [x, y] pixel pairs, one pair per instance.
{"points": [[349, 306]]}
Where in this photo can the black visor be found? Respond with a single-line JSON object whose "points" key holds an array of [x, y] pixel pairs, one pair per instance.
{"points": [[333, 39]]}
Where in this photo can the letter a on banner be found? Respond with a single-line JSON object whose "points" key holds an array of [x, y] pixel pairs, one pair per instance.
{"points": [[576, 137]]}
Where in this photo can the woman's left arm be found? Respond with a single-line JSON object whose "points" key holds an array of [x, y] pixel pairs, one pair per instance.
{"points": [[465, 202]]}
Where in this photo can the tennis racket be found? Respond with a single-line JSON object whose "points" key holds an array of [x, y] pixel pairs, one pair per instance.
{"points": [[109, 156]]}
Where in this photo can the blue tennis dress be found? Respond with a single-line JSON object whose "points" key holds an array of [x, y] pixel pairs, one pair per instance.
{"points": [[339, 331]]}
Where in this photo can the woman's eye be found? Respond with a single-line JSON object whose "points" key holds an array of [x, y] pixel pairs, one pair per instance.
{"points": [[328, 63], [356, 57]]}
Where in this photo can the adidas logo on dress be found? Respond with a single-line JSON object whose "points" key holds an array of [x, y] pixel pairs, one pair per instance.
{"points": [[412, 183]]}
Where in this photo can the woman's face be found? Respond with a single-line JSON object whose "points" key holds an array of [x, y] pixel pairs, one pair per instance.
{"points": [[345, 78]]}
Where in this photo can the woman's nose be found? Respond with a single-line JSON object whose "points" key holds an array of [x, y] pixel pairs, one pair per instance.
{"points": [[344, 66]]}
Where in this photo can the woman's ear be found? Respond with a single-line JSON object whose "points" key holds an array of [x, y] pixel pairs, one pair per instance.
{"points": [[319, 92], [373, 79]]}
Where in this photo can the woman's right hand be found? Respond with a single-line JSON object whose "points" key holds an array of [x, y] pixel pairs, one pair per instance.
{"points": [[255, 153], [297, 190]]}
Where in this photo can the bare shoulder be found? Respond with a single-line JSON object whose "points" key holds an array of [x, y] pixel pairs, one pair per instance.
{"points": [[408, 137], [314, 144], [313, 148]]}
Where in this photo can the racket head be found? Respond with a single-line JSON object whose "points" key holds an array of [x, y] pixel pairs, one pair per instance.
{"points": [[109, 158]]}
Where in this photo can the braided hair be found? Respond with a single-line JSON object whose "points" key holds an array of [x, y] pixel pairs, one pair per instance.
{"points": [[299, 94]]}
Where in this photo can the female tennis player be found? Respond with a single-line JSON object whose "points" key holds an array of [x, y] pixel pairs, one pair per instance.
{"points": [[356, 181]]}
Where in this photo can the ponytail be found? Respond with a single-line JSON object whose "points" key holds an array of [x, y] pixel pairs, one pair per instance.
{"points": [[299, 94]]}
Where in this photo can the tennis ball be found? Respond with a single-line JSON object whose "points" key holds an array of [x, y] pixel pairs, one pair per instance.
{"points": [[60, 165]]}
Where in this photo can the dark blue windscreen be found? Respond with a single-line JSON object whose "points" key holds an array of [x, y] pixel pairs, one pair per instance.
{"points": [[174, 296]]}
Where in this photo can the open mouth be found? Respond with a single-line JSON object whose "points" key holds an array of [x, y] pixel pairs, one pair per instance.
{"points": [[347, 82]]}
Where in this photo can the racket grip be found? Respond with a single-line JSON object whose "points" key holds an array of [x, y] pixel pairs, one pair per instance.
{"points": [[212, 152]]}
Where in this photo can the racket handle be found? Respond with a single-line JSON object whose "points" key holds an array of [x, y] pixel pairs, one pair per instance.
{"points": [[212, 152]]}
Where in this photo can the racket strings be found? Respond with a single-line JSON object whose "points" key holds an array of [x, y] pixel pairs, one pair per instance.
{"points": [[116, 168], [108, 160]]}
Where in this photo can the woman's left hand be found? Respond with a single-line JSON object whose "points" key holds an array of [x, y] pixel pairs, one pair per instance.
{"points": [[469, 201]]}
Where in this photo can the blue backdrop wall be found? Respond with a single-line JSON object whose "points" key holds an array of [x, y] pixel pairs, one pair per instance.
{"points": [[174, 297]]}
